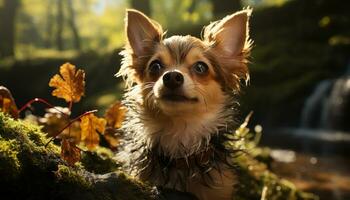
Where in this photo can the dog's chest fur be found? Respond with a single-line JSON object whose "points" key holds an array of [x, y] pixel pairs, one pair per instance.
{"points": [[210, 182], [206, 170]]}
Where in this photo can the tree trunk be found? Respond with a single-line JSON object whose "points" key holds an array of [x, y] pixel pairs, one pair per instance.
{"points": [[222, 8], [72, 24], [59, 20], [7, 27], [142, 5], [49, 24]]}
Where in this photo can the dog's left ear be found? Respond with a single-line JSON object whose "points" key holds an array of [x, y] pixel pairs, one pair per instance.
{"points": [[229, 43], [229, 35], [141, 31]]}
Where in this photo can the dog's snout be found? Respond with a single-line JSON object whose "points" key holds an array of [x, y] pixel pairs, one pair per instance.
{"points": [[173, 79]]}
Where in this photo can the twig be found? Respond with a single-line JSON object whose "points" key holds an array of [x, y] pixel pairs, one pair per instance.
{"points": [[41, 101]]}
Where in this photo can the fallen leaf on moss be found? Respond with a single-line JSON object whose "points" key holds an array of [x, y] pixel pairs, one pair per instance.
{"points": [[69, 84], [69, 152], [89, 125]]}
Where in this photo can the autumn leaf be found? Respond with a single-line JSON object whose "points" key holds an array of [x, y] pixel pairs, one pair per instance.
{"points": [[69, 84], [115, 115], [57, 118], [112, 136], [69, 152], [89, 125], [7, 103]]}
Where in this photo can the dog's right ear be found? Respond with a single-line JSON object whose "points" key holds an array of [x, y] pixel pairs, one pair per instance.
{"points": [[141, 31]]}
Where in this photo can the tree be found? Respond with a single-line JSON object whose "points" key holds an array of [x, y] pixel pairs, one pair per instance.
{"points": [[72, 24], [7, 27], [49, 24], [59, 21]]}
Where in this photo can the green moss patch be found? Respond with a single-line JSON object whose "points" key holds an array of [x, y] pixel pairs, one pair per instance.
{"points": [[29, 170]]}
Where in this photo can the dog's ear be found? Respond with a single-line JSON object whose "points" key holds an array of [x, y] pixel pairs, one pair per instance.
{"points": [[229, 43], [141, 31], [231, 34]]}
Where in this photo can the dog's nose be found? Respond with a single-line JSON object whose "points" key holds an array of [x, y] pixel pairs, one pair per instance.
{"points": [[173, 79]]}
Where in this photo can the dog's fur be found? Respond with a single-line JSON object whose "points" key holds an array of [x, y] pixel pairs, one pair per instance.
{"points": [[181, 143]]}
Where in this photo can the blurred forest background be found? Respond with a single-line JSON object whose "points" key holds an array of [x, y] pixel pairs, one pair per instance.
{"points": [[300, 64], [297, 44]]}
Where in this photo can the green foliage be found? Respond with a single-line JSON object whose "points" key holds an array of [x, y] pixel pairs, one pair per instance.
{"points": [[100, 25], [188, 12]]}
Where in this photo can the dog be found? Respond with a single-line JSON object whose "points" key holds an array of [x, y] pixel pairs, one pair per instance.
{"points": [[181, 103]]}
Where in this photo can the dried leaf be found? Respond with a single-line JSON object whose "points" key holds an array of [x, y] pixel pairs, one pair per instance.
{"points": [[70, 84], [115, 115], [89, 125], [55, 119], [7, 103], [69, 152], [112, 137]]}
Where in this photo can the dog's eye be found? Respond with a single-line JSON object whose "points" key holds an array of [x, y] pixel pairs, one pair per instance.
{"points": [[200, 68], [155, 67]]}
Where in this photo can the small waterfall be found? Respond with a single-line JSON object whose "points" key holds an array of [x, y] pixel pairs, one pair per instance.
{"points": [[328, 107], [310, 116]]}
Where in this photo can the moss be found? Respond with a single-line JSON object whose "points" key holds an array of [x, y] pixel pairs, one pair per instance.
{"points": [[10, 165], [29, 170], [19, 140], [100, 161], [254, 176], [68, 176]]}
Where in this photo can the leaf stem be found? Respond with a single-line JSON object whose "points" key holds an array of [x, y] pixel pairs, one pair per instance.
{"points": [[70, 105]]}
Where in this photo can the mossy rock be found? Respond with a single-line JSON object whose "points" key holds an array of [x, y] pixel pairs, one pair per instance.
{"points": [[99, 161], [29, 170]]}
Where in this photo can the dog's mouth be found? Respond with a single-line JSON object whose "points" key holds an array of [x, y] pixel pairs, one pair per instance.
{"points": [[178, 98]]}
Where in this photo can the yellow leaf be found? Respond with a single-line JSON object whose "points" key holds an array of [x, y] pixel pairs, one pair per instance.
{"points": [[89, 125], [69, 152], [115, 115], [69, 84]]}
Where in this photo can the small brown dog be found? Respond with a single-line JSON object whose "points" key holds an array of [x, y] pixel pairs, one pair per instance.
{"points": [[180, 101]]}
